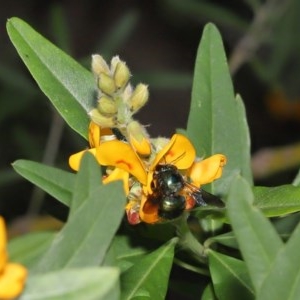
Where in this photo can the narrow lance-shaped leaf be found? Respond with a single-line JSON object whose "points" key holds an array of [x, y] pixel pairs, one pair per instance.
{"points": [[217, 121], [57, 183], [278, 200], [86, 237], [68, 85], [283, 280], [87, 179], [149, 278], [258, 241], [28, 248], [230, 277], [296, 181], [76, 284]]}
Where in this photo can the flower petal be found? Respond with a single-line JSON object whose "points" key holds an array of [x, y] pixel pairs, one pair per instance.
{"points": [[75, 159], [207, 170], [121, 155], [148, 211], [142, 147], [118, 174], [3, 253], [179, 152], [12, 281], [94, 135]]}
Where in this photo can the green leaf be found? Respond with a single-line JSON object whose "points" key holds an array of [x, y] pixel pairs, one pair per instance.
{"points": [[230, 277], [286, 225], [208, 293], [283, 280], [217, 120], [149, 278], [119, 33], [75, 284], [207, 10], [68, 85], [227, 239], [87, 179], [125, 253], [296, 181], [57, 183], [27, 249], [277, 201], [86, 237], [258, 241]]}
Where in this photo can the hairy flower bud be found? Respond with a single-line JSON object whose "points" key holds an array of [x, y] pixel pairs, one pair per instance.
{"points": [[138, 138], [102, 120], [106, 84], [139, 97], [121, 75], [107, 106], [99, 65]]}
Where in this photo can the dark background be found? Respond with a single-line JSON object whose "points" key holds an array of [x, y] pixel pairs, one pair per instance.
{"points": [[160, 38]]}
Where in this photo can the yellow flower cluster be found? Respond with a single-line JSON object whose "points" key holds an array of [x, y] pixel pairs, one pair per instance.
{"points": [[135, 159], [12, 276]]}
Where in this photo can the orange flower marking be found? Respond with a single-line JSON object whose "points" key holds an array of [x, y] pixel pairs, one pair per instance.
{"points": [[127, 166]]}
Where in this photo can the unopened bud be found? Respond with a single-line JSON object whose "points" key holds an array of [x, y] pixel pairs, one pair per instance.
{"points": [[113, 63], [99, 65], [106, 84], [107, 106], [138, 138], [138, 98], [121, 75], [101, 120]]}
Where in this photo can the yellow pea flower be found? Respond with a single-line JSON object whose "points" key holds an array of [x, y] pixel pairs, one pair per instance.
{"points": [[12, 275], [125, 163], [95, 134], [178, 151]]}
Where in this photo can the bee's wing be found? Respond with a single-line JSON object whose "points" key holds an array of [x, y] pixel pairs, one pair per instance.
{"points": [[203, 198], [211, 199]]}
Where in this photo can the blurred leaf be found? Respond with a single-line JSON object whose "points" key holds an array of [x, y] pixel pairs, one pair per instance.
{"points": [[87, 179], [208, 293], [258, 241], [60, 27], [119, 33], [230, 277], [8, 176], [217, 120], [27, 249], [283, 279], [254, 4], [286, 224], [165, 79], [296, 181], [87, 235], [75, 284], [57, 183], [67, 84], [125, 253], [227, 239], [26, 142], [149, 278], [13, 79], [209, 12], [277, 201]]}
